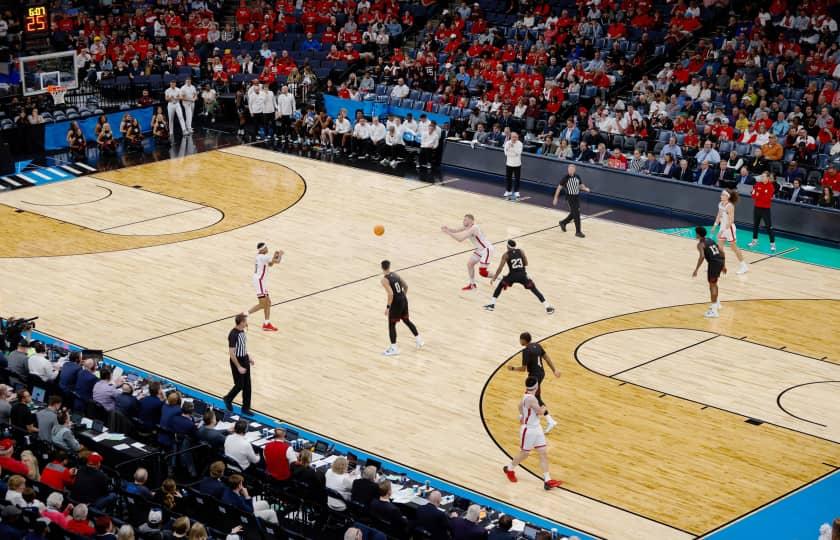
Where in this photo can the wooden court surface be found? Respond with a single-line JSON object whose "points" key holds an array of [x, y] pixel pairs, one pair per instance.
{"points": [[167, 307]]}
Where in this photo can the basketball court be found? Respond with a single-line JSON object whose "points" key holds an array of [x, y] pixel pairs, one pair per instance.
{"points": [[670, 425]]}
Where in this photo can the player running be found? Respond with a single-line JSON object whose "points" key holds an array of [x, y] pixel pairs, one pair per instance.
{"points": [[483, 248], [713, 255], [397, 308], [517, 261], [531, 435], [726, 219], [263, 261], [533, 356]]}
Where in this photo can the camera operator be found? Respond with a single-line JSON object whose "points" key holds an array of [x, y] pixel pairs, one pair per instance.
{"points": [[19, 363], [13, 330]]}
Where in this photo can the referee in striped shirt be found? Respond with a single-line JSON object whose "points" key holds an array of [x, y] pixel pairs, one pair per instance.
{"points": [[572, 184], [240, 365]]}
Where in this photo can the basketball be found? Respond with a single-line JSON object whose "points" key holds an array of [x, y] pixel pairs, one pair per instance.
{"points": [[379, 230]]}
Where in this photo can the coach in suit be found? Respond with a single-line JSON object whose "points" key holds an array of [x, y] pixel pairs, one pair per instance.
{"points": [[744, 177], [683, 172], [467, 527], [85, 382], [432, 519], [704, 175]]}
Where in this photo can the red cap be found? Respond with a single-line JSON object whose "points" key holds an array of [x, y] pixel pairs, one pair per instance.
{"points": [[94, 459], [6, 444]]}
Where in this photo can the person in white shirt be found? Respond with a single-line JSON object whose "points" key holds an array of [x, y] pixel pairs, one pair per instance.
{"points": [[239, 448], [429, 141], [189, 95], [513, 166], [410, 126], [343, 129], [377, 137], [361, 139], [39, 365], [210, 101], [394, 143], [339, 481], [268, 112], [423, 124], [255, 107], [173, 107], [400, 90], [285, 112]]}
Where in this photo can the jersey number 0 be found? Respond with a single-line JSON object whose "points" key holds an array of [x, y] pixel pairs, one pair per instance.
{"points": [[397, 287]]}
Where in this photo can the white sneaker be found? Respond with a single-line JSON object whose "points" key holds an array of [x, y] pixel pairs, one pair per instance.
{"points": [[419, 341], [772, 246], [753, 243], [391, 351], [550, 425], [393, 163], [711, 313], [743, 269], [507, 195], [515, 196], [717, 306]]}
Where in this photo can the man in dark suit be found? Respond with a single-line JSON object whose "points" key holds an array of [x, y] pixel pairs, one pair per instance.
{"points": [[85, 382], [69, 372], [150, 406], [683, 172], [796, 194], [467, 527], [386, 512], [212, 484], [496, 137], [793, 172], [126, 403], [208, 433], [584, 155], [705, 175], [502, 529], [365, 489], [744, 177], [430, 518]]}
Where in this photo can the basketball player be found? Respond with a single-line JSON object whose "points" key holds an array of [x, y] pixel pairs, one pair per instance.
{"points": [[263, 261], [714, 256], [726, 219], [397, 308], [188, 97], [517, 261], [533, 356], [483, 248], [173, 107], [531, 435]]}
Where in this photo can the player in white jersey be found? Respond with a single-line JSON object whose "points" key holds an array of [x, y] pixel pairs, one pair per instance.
{"points": [[726, 233], [260, 280], [531, 435], [483, 248], [173, 107]]}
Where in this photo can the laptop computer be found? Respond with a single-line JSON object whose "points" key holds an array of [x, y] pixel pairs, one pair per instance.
{"points": [[530, 532], [321, 448], [39, 395], [291, 435]]}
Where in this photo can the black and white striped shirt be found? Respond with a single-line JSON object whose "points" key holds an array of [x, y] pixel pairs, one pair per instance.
{"points": [[571, 183], [237, 342]]}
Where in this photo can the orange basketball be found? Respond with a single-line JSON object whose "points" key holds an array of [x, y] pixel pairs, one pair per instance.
{"points": [[379, 230]]}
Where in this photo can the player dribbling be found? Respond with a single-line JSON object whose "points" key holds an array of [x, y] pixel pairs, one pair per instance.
{"points": [[713, 255], [483, 248], [260, 282], [531, 435]]}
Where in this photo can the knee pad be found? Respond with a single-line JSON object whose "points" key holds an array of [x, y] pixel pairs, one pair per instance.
{"points": [[482, 271]]}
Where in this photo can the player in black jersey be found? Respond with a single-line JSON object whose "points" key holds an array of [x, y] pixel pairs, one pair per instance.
{"points": [[533, 356], [397, 308], [516, 261], [711, 253]]}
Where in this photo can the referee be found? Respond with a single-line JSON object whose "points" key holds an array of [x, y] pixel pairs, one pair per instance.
{"points": [[240, 365], [573, 186]]}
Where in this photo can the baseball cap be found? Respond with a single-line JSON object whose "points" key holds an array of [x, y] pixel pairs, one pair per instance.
{"points": [[94, 459], [155, 516], [7, 444]]}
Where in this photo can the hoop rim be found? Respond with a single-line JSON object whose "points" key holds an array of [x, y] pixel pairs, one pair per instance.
{"points": [[55, 89]]}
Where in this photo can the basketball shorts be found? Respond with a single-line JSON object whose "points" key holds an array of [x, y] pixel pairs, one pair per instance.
{"points": [[398, 311], [727, 234], [482, 256], [522, 279], [714, 271], [260, 286], [531, 438]]}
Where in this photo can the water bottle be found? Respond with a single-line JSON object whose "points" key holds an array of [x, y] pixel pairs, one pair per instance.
{"points": [[427, 486], [554, 533]]}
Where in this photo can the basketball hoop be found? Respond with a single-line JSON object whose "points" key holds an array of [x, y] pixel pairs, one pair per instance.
{"points": [[57, 93]]}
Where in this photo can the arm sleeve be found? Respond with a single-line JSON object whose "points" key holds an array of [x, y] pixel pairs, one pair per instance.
{"points": [[291, 455], [232, 340]]}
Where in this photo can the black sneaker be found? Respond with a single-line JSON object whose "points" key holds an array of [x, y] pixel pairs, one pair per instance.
{"points": [[246, 412], [580, 234], [549, 310], [489, 307], [228, 405], [562, 226]]}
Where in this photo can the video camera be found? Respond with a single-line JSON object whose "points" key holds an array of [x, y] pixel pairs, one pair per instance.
{"points": [[12, 329]]}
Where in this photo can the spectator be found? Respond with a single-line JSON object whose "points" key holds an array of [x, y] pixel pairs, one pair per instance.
{"points": [[773, 151], [637, 162], [365, 489], [585, 155], [39, 366], [830, 179], [153, 528], [667, 165], [796, 194], [744, 178], [208, 432], [27, 457], [53, 511], [279, 455], [6, 399], [126, 532], [400, 90], [238, 447], [704, 175], [80, 524], [14, 491], [708, 153], [386, 512], [169, 496], [733, 166], [671, 148], [61, 433], [19, 363], [236, 494], [104, 528], [617, 160], [197, 532], [826, 199], [601, 154], [564, 150], [151, 406], [168, 411], [431, 517], [570, 133], [47, 418], [502, 529], [757, 164], [104, 391], [138, 485], [21, 416], [9, 527], [682, 172], [311, 481], [212, 484], [467, 527], [85, 381], [126, 403], [338, 480], [57, 474], [92, 486], [180, 527]]}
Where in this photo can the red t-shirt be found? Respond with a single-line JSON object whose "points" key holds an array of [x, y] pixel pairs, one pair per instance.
{"points": [[762, 194], [831, 180], [276, 463]]}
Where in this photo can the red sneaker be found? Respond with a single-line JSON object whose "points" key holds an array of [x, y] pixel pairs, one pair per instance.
{"points": [[511, 475], [551, 484], [469, 287], [268, 327]]}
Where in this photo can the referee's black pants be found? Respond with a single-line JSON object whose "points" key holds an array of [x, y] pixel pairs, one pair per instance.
{"points": [[241, 383], [574, 211], [512, 178], [760, 214]]}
